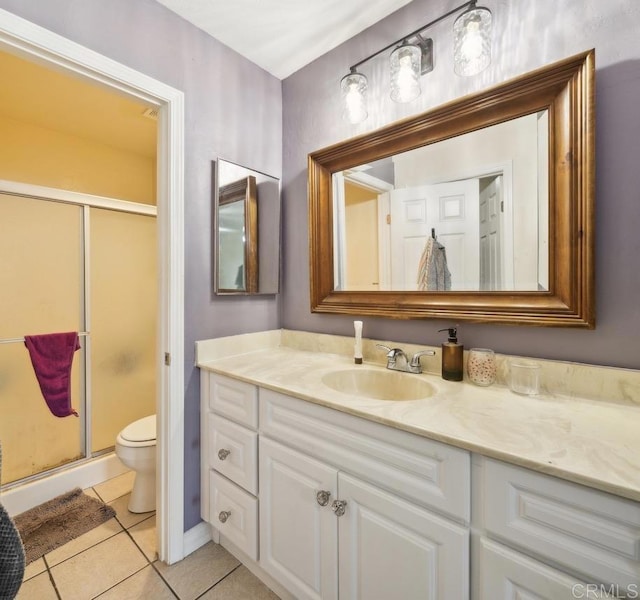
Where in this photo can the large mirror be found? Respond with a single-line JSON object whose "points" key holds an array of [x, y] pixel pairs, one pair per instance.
{"points": [[481, 209], [247, 230]]}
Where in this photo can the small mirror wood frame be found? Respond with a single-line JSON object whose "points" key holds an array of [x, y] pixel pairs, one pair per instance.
{"points": [[566, 90]]}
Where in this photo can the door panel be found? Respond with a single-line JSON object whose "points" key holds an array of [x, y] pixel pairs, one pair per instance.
{"points": [[390, 548], [451, 210], [491, 253], [298, 543]]}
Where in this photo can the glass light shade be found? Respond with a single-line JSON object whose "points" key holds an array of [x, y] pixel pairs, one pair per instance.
{"points": [[472, 41], [405, 73], [354, 97]]}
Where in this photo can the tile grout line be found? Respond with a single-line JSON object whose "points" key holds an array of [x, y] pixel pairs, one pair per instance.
{"points": [[153, 565], [219, 581], [139, 548], [84, 549], [124, 530], [119, 582], [51, 579]]}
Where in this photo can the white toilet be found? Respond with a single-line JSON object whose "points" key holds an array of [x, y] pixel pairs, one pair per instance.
{"points": [[136, 448]]}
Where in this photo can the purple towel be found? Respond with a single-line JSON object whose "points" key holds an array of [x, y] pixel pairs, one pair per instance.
{"points": [[51, 357]]}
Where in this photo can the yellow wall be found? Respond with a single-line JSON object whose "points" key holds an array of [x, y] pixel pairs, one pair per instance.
{"points": [[40, 156], [361, 223]]}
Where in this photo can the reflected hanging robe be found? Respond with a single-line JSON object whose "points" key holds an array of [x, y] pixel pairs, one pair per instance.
{"points": [[52, 357], [433, 272]]}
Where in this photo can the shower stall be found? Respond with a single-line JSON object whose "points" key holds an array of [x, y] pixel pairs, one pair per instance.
{"points": [[74, 262]]}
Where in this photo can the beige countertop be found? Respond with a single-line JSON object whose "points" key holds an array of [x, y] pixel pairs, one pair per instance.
{"points": [[591, 442]]}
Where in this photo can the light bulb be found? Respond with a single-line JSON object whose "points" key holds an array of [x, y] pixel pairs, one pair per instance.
{"points": [[354, 89], [472, 41], [405, 73], [471, 48]]}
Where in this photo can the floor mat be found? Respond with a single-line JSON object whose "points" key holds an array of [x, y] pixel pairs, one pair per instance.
{"points": [[58, 521]]}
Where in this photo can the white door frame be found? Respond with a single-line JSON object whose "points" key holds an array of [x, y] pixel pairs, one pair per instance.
{"points": [[40, 45], [382, 189]]}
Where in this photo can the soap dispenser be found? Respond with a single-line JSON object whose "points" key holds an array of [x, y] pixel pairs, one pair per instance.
{"points": [[452, 355]]}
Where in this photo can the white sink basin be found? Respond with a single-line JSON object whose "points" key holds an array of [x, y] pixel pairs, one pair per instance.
{"points": [[378, 384]]}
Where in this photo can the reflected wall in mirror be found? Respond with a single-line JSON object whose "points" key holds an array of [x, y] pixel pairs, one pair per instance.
{"points": [[469, 213], [481, 209], [247, 230]]}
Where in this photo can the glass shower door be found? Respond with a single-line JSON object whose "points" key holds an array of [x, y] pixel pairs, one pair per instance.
{"points": [[123, 313], [41, 291]]}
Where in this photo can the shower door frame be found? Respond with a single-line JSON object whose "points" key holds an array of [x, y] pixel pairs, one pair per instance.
{"points": [[37, 44]]}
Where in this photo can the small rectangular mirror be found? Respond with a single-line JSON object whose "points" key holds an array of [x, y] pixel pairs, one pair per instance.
{"points": [[247, 231]]}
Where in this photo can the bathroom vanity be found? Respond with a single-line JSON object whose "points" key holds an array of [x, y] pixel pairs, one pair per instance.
{"points": [[467, 492]]}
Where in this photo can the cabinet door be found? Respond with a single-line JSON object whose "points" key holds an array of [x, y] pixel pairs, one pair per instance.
{"points": [[390, 548], [298, 536], [509, 575]]}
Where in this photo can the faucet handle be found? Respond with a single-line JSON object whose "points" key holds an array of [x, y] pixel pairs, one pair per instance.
{"points": [[415, 359], [392, 354]]}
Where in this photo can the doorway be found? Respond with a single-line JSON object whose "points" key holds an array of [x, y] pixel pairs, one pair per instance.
{"points": [[37, 44]]}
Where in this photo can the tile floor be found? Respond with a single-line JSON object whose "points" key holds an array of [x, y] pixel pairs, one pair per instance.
{"points": [[118, 561]]}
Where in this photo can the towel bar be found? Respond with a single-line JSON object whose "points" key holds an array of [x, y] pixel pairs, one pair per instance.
{"points": [[21, 339]]}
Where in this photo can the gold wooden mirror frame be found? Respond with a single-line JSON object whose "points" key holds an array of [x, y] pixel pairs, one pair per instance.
{"points": [[566, 90]]}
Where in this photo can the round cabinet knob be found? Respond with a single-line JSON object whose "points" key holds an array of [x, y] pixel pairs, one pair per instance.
{"points": [[224, 515], [322, 497], [223, 453], [338, 507]]}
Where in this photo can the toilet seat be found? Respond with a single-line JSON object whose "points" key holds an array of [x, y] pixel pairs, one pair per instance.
{"points": [[139, 433]]}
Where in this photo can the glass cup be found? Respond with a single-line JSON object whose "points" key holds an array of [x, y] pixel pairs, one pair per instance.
{"points": [[481, 366], [524, 377]]}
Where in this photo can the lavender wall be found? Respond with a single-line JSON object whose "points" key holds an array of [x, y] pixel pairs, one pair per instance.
{"points": [[527, 35], [233, 110]]}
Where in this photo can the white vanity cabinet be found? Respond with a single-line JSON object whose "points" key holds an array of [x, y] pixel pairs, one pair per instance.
{"points": [[552, 538], [345, 507], [325, 505], [229, 438]]}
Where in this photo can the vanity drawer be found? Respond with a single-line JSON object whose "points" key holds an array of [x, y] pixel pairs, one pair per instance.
{"points": [[508, 574], [426, 472], [235, 399], [233, 451], [583, 530], [234, 514]]}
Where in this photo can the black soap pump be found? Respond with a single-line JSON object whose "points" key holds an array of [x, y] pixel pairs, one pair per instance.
{"points": [[452, 354]]}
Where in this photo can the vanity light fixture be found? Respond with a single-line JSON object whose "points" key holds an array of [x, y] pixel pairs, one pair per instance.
{"points": [[354, 96], [412, 56]]}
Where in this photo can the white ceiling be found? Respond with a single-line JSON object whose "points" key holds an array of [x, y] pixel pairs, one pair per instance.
{"points": [[281, 36]]}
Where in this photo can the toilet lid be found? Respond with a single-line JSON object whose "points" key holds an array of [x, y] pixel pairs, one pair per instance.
{"points": [[142, 430]]}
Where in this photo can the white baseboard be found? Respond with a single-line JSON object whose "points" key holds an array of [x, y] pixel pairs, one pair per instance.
{"points": [[26, 496], [196, 537]]}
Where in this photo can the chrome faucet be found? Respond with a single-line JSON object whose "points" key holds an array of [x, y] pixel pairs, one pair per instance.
{"points": [[407, 366]]}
